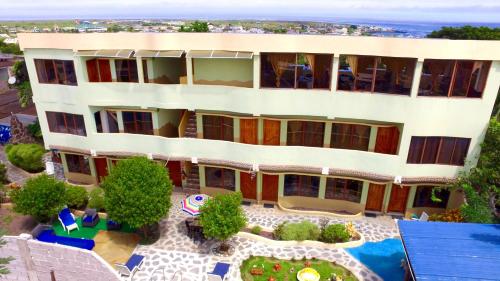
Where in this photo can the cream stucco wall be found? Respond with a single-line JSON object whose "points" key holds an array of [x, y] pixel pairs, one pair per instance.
{"points": [[420, 116]]}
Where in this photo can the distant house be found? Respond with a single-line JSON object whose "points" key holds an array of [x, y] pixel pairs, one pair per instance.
{"points": [[86, 26]]}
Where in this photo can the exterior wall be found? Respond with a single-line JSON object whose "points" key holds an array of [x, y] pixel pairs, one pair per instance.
{"points": [[227, 70], [418, 116], [37, 259]]}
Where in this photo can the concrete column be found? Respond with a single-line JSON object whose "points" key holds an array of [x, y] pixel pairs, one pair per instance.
{"points": [[237, 181], [64, 163], [373, 138], [411, 197], [283, 131], [335, 71], [322, 187], [260, 131], [81, 69], [92, 167], [259, 187], [364, 192], [156, 121], [104, 121], [256, 71], [151, 69], [119, 118], [189, 71], [199, 125], [281, 185], [236, 129], [140, 72], [113, 69], [416, 77], [201, 172], [328, 134], [387, 196]]}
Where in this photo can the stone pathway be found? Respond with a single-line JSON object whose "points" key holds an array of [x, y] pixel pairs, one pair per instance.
{"points": [[175, 252]]}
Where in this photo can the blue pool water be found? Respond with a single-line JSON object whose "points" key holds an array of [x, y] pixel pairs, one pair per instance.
{"points": [[383, 258]]}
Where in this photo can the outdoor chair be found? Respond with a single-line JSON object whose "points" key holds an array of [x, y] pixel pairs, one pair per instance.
{"points": [[219, 273], [67, 220], [423, 217], [90, 218], [133, 264]]}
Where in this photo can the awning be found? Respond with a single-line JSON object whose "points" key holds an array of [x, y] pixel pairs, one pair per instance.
{"points": [[124, 53], [159, 54], [451, 251], [220, 54]]}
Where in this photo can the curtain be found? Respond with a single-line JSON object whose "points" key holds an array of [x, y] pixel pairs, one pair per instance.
{"points": [[353, 64], [396, 66], [310, 60], [279, 62]]}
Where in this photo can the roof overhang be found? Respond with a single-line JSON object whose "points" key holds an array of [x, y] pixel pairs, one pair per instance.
{"points": [[159, 53], [217, 54], [122, 53]]}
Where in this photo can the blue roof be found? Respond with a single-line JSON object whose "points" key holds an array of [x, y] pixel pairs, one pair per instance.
{"points": [[452, 251]]}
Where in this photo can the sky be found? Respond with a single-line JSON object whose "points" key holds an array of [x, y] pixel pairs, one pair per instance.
{"points": [[487, 11]]}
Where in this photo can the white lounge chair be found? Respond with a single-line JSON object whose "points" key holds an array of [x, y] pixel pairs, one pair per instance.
{"points": [[67, 220], [423, 217]]}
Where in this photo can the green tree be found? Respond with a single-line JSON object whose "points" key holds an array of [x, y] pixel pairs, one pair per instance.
{"points": [[22, 83], [9, 48], [115, 28], [137, 192], [4, 261], [41, 197], [466, 32], [222, 217], [27, 156], [196, 26]]}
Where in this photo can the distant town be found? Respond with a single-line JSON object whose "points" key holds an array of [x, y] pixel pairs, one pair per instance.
{"points": [[9, 29]]}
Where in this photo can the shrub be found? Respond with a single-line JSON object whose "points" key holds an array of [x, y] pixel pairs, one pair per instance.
{"points": [[76, 196], [278, 230], [26, 156], [3, 174], [41, 197], [96, 199], [335, 233], [35, 130], [301, 231], [453, 215], [256, 230]]}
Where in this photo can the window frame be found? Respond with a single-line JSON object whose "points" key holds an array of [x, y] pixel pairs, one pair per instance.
{"points": [[57, 79], [427, 202], [350, 135], [130, 77], [138, 123], [223, 126], [305, 186], [306, 133], [82, 163], [344, 194], [420, 154], [221, 184], [68, 119]]}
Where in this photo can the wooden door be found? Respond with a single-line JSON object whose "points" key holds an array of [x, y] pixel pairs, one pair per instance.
{"points": [[271, 132], [92, 71], [270, 187], [101, 167], [375, 197], [248, 131], [174, 172], [248, 185], [387, 140], [104, 70], [399, 196]]}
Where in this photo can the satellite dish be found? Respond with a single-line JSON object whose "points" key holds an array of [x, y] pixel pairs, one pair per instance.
{"points": [[12, 80]]}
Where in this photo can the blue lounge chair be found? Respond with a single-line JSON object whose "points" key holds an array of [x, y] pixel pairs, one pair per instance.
{"points": [[45, 233], [67, 220], [131, 266], [219, 273]]}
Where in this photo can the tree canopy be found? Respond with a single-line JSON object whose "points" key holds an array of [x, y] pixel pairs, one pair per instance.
{"points": [[137, 192], [9, 48], [22, 83], [196, 26], [466, 32]]}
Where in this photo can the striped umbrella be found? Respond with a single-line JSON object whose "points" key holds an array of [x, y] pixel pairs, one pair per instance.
{"points": [[193, 203]]}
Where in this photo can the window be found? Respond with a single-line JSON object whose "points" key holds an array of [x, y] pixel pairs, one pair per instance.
{"points": [[423, 197], [343, 189], [350, 136], [298, 185], [78, 164], [290, 70], [388, 75], [220, 178], [67, 123], [218, 128], [126, 71], [56, 72], [99, 70], [305, 133], [137, 122], [453, 78], [438, 150], [107, 125]]}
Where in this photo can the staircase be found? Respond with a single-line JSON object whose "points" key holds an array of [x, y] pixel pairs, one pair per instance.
{"points": [[190, 130], [193, 180]]}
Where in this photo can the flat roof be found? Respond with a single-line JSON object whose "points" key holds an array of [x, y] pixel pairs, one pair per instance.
{"points": [[257, 43], [451, 251]]}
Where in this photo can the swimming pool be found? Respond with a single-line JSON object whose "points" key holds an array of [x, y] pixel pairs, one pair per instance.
{"points": [[383, 258]]}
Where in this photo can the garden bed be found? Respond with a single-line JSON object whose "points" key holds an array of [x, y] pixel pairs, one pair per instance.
{"points": [[289, 268]]}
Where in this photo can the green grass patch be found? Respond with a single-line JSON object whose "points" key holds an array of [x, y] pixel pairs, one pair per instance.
{"points": [[86, 232], [326, 269]]}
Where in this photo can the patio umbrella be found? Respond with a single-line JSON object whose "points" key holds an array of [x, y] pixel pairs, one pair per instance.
{"points": [[193, 203]]}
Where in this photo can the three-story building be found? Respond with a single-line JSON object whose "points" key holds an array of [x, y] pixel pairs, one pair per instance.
{"points": [[346, 124]]}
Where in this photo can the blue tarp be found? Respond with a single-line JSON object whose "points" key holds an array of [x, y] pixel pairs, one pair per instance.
{"points": [[452, 251], [4, 134]]}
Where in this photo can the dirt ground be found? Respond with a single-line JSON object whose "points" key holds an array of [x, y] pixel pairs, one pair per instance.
{"points": [[9, 103], [14, 223]]}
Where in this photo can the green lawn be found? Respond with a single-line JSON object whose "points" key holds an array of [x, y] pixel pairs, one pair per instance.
{"points": [[324, 268], [85, 232]]}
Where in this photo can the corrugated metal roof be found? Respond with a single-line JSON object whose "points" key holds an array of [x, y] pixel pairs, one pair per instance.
{"points": [[452, 251]]}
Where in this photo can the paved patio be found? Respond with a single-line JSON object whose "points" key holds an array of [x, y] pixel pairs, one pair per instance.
{"points": [[175, 252]]}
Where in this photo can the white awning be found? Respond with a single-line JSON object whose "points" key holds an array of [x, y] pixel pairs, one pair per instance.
{"points": [[106, 53], [214, 54], [159, 54]]}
